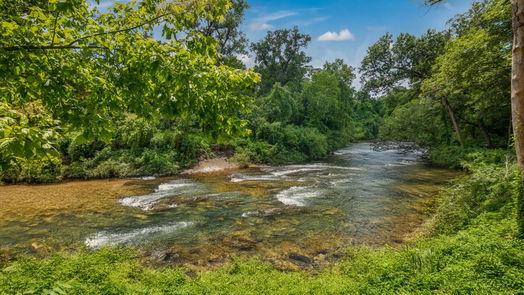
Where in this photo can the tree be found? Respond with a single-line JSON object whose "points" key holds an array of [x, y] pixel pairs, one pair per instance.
{"points": [[471, 78], [279, 105], [280, 58], [328, 100], [75, 68], [345, 75], [408, 59], [517, 94], [231, 42]]}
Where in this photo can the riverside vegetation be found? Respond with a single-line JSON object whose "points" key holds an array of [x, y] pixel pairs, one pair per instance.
{"points": [[85, 94]]}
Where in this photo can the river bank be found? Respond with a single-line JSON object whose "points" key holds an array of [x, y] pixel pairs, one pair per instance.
{"points": [[294, 216], [473, 250]]}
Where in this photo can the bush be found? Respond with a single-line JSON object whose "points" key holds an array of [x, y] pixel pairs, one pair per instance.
{"points": [[194, 146], [133, 133], [457, 158], [77, 152], [242, 159], [32, 171], [313, 143], [110, 168], [153, 162], [488, 189]]}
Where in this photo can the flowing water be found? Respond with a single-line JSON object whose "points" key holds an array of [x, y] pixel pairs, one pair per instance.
{"points": [[293, 215]]}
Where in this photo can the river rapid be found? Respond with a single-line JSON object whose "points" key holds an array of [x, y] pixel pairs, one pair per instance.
{"points": [[294, 216]]}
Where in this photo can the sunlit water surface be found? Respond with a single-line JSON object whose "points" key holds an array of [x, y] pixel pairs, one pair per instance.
{"points": [[293, 215]]}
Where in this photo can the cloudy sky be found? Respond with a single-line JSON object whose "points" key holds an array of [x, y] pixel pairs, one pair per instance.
{"points": [[346, 28]]}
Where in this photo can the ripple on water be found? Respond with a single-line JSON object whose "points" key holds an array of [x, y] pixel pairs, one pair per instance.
{"points": [[108, 239], [297, 195], [171, 188], [241, 177], [288, 170]]}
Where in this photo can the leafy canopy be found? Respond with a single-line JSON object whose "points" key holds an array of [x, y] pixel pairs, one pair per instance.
{"points": [[390, 63], [76, 68], [280, 58]]}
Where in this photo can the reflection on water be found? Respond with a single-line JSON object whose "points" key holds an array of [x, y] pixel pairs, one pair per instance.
{"points": [[298, 212]]}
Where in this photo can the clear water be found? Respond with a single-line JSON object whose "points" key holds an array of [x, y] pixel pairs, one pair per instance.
{"points": [[355, 197]]}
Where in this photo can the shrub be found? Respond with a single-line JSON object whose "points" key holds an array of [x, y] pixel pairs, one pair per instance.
{"points": [[313, 143], [110, 168], [77, 152], [488, 189], [456, 157], [242, 159], [133, 133], [33, 171]]}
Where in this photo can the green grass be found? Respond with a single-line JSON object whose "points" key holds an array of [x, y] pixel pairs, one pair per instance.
{"points": [[476, 253]]}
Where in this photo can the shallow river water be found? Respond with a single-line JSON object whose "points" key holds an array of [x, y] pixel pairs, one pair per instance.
{"points": [[293, 215]]}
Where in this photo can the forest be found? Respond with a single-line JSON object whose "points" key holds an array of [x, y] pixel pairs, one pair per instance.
{"points": [[149, 88]]}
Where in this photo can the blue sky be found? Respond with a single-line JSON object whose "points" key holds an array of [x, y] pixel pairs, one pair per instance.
{"points": [[342, 28], [351, 25]]}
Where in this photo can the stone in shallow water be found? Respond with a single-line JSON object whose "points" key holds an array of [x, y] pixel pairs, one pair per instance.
{"points": [[165, 256], [300, 258], [267, 212], [242, 243], [177, 202]]}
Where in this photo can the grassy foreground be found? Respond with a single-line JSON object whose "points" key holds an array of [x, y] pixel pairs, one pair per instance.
{"points": [[473, 249]]}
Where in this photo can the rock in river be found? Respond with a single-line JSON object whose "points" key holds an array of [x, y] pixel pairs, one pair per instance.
{"points": [[267, 212]]}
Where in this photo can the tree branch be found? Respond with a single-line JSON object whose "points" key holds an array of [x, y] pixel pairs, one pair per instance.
{"points": [[72, 44], [121, 30], [50, 47]]}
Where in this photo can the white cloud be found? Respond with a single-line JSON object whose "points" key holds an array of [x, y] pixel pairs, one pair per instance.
{"points": [[259, 26], [447, 5], [262, 23], [277, 15], [334, 36]]}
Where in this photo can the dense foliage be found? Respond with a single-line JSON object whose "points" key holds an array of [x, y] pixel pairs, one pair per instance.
{"points": [[110, 100], [67, 68], [460, 85]]}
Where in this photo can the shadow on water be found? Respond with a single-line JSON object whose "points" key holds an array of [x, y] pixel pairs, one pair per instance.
{"points": [[295, 216]]}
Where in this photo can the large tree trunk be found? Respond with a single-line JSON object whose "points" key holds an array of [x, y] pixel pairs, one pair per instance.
{"points": [[517, 97], [485, 135], [454, 120]]}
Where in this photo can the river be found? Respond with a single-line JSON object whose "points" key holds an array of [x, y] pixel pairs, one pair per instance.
{"points": [[294, 215]]}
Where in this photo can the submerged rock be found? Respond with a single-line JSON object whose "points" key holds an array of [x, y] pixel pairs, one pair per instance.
{"points": [[242, 243], [267, 212], [300, 258], [184, 201], [196, 199], [164, 256]]}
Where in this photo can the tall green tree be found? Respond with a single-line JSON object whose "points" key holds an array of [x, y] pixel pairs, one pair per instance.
{"points": [[280, 58], [472, 77], [231, 42], [407, 59], [329, 100], [517, 96], [517, 93]]}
